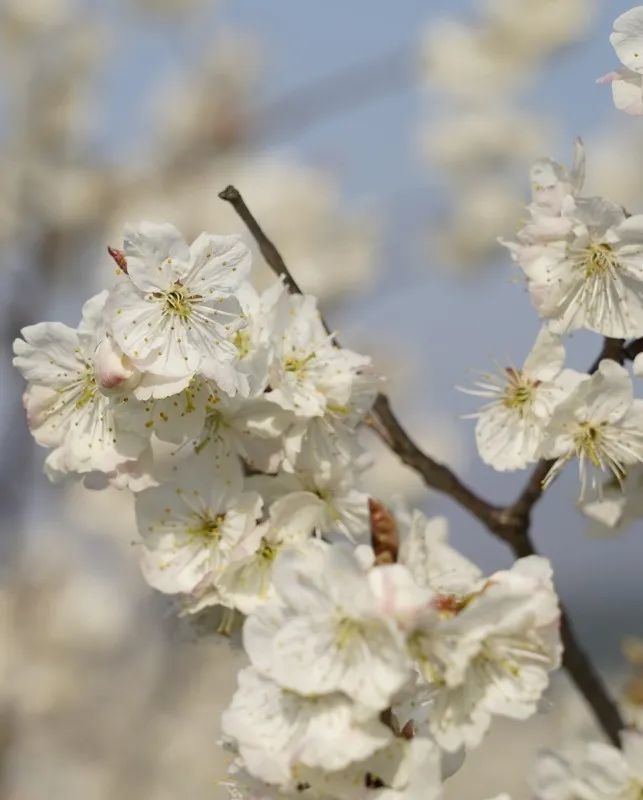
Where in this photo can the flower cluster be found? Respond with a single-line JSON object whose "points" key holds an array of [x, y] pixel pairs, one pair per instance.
{"points": [[426, 645], [230, 414], [583, 261], [582, 256]]}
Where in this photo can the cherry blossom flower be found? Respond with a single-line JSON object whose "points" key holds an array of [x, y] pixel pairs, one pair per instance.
{"points": [[618, 506], [324, 632], [591, 276], [310, 375], [174, 313], [405, 770], [189, 528], [249, 428], [485, 653], [66, 410], [627, 83], [433, 563], [595, 771], [601, 425], [277, 730], [512, 426], [309, 501]]}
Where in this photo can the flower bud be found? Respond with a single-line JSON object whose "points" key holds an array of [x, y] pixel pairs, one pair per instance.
{"points": [[113, 370]]}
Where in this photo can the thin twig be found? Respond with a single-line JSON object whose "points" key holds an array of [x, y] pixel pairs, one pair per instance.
{"points": [[510, 523]]}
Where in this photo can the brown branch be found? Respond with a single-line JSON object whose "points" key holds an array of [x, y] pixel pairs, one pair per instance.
{"points": [[633, 349], [510, 523], [436, 476], [579, 665], [613, 349], [268, 250]]}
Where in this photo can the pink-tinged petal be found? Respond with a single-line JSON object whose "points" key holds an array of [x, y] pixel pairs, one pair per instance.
{"points": [[609, 77], [112, 369]]}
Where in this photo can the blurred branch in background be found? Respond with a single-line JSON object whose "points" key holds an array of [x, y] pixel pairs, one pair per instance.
{"points": [[344, 90]]}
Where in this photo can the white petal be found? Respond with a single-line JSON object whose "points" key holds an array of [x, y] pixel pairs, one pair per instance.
{"points": [[156, 254], [627, 38]]}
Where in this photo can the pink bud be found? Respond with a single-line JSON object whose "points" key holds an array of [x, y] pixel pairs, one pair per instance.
{"points": [[119, 258], [112, 369]]}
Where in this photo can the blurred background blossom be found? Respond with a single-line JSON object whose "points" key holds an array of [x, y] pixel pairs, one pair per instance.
{"points": [[384, 153]]}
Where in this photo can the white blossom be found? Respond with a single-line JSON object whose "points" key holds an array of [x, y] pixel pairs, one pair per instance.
{"points": [[174, 313], [246, 582], [310, 375], [619, 505], [589, 273], [627, 41], [249, 428], [309, 501], [276, 730], [487, 652], [405, 770], [600, 424], [551, 183], [594, 771], [190, 527], [255, 342], [425, 550], [65, 409], [325, 632], [512, 426]]}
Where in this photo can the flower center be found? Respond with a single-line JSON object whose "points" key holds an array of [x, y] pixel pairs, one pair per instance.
{"points": [[267, 551], [519, 392], [347, 629], [297, 365], [598, 260], [588, 441], [177, 300], [87, 388], [242, 343], [207, 527]]}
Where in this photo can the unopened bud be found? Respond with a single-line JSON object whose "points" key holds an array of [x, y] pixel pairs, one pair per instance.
{"points": [[384, 535], [119, 258], [112, 369]]}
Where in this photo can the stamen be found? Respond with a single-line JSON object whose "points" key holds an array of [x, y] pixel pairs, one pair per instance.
{"points": [[178, 301]]}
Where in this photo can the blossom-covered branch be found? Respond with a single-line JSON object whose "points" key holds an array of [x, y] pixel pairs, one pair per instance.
{"points": [[510, 523]]}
